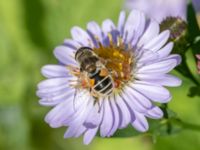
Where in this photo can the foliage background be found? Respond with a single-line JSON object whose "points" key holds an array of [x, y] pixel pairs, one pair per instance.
{"points": [[29, 31]]}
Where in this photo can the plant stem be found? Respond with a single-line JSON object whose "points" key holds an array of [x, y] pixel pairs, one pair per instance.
{"points": [[184, 125], [185, 71], [164, 107]]}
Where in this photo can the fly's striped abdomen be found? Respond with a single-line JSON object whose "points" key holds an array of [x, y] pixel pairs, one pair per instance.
{"points": [[103, 85]]}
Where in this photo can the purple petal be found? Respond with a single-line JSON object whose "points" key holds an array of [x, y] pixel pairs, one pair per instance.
{"points": [[66, 110], [76, 134], [140, 31], [139, 98], [77, 119], [124, 113], [154, 113], [107, 121], [152, 91], [81, 36], [95, 29], [160, 67], [121, 22], [135, 103], [157, 42], [145, 56], [170, 80], [52, 71], [55, 82], [134, 25], [80, 131], [116, 117], [166, 50], [52, 91], [89, 135], [151, 32], [74, 131], [130, 107], [51, 100], [72, 44], [108, 26], [59, 113], [95, 116], [166, 79], [65, 55], [81, 113], [140, 123], [174, 57]]}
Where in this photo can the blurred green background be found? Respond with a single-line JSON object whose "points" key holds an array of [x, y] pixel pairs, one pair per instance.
{"points": [[29, 31]]}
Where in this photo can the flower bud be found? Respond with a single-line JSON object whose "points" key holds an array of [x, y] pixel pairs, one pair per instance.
{"points": [[179, 33]]}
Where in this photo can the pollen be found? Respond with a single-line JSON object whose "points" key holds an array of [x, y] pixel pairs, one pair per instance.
{"points": [[118, 59]]}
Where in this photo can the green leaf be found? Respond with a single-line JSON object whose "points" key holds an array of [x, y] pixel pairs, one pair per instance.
{"points": [[192, 23], [127, 132], [194, 91]]}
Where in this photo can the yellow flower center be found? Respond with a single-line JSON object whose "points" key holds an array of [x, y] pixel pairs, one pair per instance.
{"points": [[118, 59]]}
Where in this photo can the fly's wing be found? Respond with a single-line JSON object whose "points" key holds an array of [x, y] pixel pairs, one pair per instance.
{"points": [[78, 84], [78, 97], [74, 100]]}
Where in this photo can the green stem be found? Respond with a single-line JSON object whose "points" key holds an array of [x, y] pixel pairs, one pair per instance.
{"points": [[185, 71], [164, 107], [184, 125]]}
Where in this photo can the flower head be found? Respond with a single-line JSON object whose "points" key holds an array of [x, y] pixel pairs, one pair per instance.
{"points": [[159, 9], [137, 58]]}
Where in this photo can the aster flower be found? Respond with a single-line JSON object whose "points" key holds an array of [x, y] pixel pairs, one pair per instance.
{"points": [[140, 58], [198, 63], [159, 9]]}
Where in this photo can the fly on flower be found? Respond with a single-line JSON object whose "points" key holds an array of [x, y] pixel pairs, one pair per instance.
{"points": [[109, 77], [93, 74]]}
